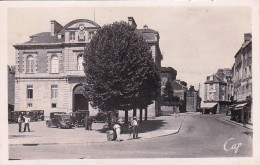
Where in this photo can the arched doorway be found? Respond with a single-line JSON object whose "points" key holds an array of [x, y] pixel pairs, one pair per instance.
{"points": [[80, 102]]}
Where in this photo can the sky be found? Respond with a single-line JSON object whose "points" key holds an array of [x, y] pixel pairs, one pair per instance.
{"points": [[195, 41]]}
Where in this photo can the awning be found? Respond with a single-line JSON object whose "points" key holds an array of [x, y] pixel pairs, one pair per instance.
{"points": [[209, 105], [240, 106]]}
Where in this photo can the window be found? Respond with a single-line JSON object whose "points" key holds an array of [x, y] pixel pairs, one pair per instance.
{"points": [[72, 36], [54, 64], [80, 62], [245, 73], [54, 91], [29, 92], [30, 64], [53, 105], [90, 35], [29, 105]]}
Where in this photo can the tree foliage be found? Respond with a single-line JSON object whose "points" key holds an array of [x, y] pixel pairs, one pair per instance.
{"points": [[168, 96], [120, 71]]}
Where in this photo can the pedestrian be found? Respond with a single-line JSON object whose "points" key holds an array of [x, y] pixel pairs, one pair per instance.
{"points": [[117, 130], [26, 123], [19, 120], [130, 129], [90, 121], [86, 122], [134, 125]]}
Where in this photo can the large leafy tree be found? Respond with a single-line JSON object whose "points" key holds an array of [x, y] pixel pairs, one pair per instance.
{"points": [[120, 71]]}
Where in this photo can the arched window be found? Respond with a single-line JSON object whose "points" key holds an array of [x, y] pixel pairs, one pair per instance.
{"points": [[80, 62], [54, 64], [30, 64]]}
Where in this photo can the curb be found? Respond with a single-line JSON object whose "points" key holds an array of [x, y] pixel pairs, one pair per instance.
{"points": [[228, 120], [38, 144]]}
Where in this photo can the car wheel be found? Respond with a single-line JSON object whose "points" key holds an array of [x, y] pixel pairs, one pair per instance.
{"points": [[47, 124]]}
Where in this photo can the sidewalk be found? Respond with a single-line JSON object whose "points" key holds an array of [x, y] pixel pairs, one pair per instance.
{"points": [[227, 118], [40, 134]]}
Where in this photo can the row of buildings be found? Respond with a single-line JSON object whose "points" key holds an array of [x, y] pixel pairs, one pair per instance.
{"points": [[189, 99], [231, 88], [49, 71]]}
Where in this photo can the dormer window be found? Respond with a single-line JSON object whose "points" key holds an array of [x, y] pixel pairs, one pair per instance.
{"points": [[72, 36]]}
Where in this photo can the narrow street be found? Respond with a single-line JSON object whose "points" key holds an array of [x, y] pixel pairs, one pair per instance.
{"points": [[200, 136]]}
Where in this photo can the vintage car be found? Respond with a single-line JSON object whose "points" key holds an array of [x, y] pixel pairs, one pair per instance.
{"points": [[37, 115], [15, 114], [78, 117], [52, 114], [60, 121]]}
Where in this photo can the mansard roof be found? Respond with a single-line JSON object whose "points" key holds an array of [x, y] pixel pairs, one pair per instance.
{"points": [[177, 86], [216, 79], [46, 37], [148, 34]]}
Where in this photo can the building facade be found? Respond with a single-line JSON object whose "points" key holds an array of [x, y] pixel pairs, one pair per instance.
{"points": [[11, 83], [49, 71], [242, 82], [242, 71], [218, 90], [193, 101]]}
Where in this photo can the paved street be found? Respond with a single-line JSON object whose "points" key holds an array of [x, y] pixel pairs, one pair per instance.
{"points": [[200, 136]]}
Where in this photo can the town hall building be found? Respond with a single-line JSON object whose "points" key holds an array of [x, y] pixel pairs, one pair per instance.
{"points": [[49, 71]]}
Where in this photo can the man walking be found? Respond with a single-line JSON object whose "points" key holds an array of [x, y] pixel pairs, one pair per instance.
{"points": [[19, 120], [26, 123], [134, 124]]}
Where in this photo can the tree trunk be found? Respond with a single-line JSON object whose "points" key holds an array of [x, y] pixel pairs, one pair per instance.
{"points": [[134, 112], [145, 114], [126, 116], [141, 114]]}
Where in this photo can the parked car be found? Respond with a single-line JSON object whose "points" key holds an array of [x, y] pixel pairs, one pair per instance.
{"points": [[60, 121], [15, 114], [37, 114], [52, 114], [78, 117]]}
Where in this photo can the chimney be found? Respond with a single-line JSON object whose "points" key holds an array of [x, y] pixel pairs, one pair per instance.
{"points": [[55, 27], [247, 37], [131, 21], [145, 27]]}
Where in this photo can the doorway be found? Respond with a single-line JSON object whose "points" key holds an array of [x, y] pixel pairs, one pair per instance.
{"points": [[80, 102]]}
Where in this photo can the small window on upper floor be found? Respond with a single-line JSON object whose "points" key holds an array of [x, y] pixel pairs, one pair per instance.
{"points": [[72, 36], [54, 64], [30, 64]]}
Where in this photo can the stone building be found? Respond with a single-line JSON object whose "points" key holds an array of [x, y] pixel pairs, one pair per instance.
{"points": [[242, 71], [242, 79], [11, 83], [49, 71], [193, 101], [218, 90], [180, 90]]}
